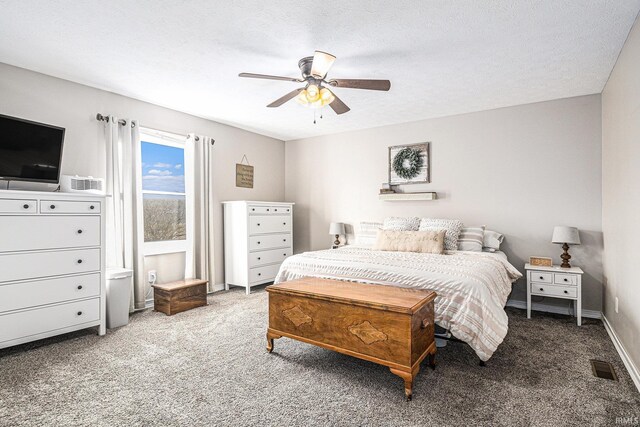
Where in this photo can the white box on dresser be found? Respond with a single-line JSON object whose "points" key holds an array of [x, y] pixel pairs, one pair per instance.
{"points": [[52, 260], [258, 236]]}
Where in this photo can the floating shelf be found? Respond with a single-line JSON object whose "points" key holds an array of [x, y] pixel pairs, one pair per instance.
{"points": [[408, 196]]}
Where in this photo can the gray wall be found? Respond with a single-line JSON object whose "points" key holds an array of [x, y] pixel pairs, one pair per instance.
{"points": [[518, 170], [621, 195], [51, 100]]}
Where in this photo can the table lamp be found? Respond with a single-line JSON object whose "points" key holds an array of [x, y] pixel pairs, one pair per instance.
{"points": [[565, 236], [336, 229]]}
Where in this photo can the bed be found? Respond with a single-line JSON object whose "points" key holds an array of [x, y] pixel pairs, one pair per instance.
{"points": [[472, 287]]}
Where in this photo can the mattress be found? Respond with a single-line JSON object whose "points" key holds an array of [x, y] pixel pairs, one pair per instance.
{"points": [[472, 287]]}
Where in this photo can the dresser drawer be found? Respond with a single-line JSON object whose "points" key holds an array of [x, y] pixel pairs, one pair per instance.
{"points": [[64, 207], [41, 320], [263, 274], [268, 257], [15, 296], [257, 243], [32, 265], [541, 277], [21, 233], [13, 206], [269, 210], [269, 224], [564, 279], [554, 290]]}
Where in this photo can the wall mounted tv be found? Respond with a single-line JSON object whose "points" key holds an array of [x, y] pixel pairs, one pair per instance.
{"points": [[30, 151]]}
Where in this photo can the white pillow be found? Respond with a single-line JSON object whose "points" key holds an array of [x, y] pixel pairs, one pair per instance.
{"points": [[492, 241], [453, 227], [471, 239], [368, 233], [430, 242], [401, 224]]}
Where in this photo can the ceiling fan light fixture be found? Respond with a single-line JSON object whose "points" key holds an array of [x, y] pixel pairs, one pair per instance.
{"points": [[322, 62], [326, 96], [313, 93]]}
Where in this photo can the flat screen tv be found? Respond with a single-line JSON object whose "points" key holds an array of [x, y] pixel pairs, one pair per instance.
{"points": [[30, 151]]}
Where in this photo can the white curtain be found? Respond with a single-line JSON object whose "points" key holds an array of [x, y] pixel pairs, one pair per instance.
{"points": [[124, 224], [202, 264]]}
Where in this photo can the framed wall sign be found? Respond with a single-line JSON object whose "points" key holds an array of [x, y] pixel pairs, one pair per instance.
{"points": [[244, 174], [409, 164]]}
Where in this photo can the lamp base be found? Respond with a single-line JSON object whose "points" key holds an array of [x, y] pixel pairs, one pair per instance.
{"points": [[565, 257], [337, 242]]}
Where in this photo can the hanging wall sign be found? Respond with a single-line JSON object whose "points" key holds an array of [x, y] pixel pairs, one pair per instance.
{"points": [[244, 173]]}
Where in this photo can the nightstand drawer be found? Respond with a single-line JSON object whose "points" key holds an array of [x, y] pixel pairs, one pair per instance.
{"points": [[554, 290], [541, 277], [564, 279]]}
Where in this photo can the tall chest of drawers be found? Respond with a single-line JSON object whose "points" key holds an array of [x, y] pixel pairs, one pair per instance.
{"points": [[258, 236], [52, 262]]}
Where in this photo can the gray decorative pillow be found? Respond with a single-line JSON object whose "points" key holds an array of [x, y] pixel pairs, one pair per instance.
{"points": [[401, 224], [492, 241], [471, 239], [453, 227]]}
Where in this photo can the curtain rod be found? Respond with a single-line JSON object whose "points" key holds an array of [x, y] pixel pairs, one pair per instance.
{"points": [[102, 118], [123, 122]]}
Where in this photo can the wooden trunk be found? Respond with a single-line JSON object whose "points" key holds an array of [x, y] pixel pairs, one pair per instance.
{"points": [[387, 325], [183, 295]]}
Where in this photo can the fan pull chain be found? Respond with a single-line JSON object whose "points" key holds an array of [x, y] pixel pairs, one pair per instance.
{"points": [[314, 117]]}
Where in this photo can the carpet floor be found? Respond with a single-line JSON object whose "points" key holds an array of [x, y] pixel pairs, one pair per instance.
{"points": [[209, 366]]}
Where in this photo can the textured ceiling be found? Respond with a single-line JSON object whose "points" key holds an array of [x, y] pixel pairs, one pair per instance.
{"points": [[442, 57]]}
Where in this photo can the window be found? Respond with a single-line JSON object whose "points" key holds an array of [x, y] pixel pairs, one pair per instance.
{"points": [[165, 199]]}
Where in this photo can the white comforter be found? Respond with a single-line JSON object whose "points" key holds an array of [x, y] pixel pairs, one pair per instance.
{"points": [[472, 287]]}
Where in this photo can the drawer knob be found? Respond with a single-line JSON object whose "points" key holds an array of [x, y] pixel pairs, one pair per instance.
{"points": [[258, 242], [258, 224], [541, 277], [284, 223], [259, 274], [267, 209], [79, 313], [253, 209], [79, 287], [25, 206], [284, 240], [52, 206], [284, 254], [566, 292], [259, 258], [92, 207], [79, 261], [80, 231], [276, 210], [566, 280], [542, 289], [287, 210]]}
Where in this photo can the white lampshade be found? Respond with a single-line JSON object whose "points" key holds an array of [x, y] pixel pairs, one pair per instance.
{"points": [[336, 228], [568, 235]]}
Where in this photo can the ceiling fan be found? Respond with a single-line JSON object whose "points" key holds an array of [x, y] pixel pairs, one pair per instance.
{"points": [[316, 93]]}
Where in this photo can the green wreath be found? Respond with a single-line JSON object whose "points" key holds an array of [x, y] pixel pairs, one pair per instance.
{"points": [[407, 163]]}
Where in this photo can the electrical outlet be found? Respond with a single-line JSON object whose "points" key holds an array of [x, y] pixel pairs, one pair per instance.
{"points": [[152, 276], [616, 304]]}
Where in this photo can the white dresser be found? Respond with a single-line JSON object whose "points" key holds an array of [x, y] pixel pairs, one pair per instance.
{"points": [[258, 236], [51, 264]]}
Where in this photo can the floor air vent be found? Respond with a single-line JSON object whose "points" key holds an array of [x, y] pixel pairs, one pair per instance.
{"points": [[603, 370]]}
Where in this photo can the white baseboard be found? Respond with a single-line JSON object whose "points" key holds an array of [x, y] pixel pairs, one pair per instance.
{"points": [[216, 288], [538, 306], [633, 370]]}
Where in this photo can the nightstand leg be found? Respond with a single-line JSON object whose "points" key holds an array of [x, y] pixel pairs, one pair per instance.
{"points": [[528, 301], [579, 310]]}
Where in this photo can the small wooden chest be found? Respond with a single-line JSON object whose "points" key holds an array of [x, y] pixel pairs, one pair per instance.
{"points": [[388, 325], [182, 295]]}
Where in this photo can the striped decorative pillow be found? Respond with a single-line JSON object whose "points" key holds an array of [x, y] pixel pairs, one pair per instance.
{"points": [[401, 224], [368, 233], [471, 239], [453, 227]]}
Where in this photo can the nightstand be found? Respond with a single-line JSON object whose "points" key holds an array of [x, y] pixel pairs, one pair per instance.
{"points": [[555, 282]]}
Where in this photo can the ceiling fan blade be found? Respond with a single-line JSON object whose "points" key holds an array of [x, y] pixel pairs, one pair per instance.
{"points": [[278, 102], [268, 77], [361, 84], [338, 106], [322, 62]]}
